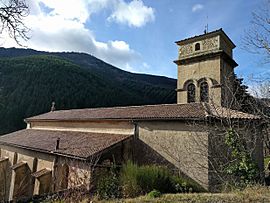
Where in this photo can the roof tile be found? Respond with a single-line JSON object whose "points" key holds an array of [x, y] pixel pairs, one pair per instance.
{"points": [[77, 144], [147, 112]]}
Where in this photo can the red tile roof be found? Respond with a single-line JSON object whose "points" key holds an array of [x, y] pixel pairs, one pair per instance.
{"points": [[73, 144], [148, 112]]}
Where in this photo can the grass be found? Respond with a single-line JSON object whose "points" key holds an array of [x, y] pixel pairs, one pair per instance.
{"points": [[266, 161], [254, 194]]}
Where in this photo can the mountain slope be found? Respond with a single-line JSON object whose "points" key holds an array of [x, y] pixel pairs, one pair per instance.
{"points": [[141, 84], [94, 64], [30, 83]]}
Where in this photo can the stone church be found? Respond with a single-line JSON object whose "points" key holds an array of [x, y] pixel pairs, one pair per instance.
{"points": [[62, 146]]}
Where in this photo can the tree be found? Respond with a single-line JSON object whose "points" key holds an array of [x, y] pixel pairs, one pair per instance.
{"points": [[242, 98], [257, 38], [261, 107], [12, 13]]}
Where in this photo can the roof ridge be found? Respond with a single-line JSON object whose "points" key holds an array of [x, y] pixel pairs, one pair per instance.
{"points": [[195, 36], [198, 110], [75, 131], [118, 107]]}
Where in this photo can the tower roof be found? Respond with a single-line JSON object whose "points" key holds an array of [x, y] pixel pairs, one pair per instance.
{"points": [[206, 35]]}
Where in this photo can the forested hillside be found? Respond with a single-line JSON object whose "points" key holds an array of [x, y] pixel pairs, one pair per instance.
{"points": [[31, 80]]}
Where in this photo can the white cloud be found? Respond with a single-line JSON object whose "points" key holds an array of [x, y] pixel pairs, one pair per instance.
{"points": [[71, 9], [56, 29], [134, 13], [121, 45], [57, 34], [197, 7], [145, 65]]}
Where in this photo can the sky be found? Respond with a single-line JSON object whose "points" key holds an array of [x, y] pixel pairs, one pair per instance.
{"points": [[138, 35]]}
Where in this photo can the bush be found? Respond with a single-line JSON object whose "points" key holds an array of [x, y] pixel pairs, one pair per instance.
{"points": [[184, 185], [141, 180], [154, 194], [154, 177], [108, 186], [242, 167], [129, 182]]}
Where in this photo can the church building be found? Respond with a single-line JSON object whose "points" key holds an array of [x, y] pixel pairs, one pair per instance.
{"points": [[64, 149]]}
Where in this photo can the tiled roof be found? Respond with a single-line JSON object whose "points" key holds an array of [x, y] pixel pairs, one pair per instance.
{"points": [[148, 112], [41, 172], [73, 144], [221, 112], [205, 35]]}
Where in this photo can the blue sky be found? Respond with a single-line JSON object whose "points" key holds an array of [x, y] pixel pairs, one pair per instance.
{"points": [[138, 35]]}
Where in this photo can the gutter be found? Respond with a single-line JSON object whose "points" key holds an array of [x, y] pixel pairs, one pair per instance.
{"points": [[43, 151]]}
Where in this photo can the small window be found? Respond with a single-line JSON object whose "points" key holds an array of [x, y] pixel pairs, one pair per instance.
{"points": [[204, 92], [191, 93], [197, 46]]}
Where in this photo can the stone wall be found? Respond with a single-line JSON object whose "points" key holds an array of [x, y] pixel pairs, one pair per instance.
{"points": [[208, 70], [227, 80], [197, 150], [175, 144], [207, 64], [21, 163], [207, 43], [24, 173]]}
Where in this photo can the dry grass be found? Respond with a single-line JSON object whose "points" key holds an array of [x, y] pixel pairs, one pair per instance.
{"points": [[250, 194], [256, 194]]}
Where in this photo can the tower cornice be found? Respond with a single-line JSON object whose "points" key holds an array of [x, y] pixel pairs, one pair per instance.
{"points": [[204, 36], [206, 56]]}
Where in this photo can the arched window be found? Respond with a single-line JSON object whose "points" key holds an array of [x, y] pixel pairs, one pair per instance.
{"points": [[197, 46], [191, 93], [204, 92]]}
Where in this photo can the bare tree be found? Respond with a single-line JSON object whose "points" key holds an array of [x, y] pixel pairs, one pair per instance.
{"points": [[12, 14], [257, 38], [201, 148], [261, 106]]}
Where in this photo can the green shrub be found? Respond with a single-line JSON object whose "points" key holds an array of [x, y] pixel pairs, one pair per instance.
{"points": [[129, 174], [108, 186], [141, 180], [184, 185], [154, 177], [242, 167], [154, 194]]}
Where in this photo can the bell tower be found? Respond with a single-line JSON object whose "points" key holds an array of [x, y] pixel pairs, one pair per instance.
{"points": [[206, 69]]}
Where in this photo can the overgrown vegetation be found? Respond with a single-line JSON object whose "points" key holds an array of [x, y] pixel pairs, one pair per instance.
{"points": [[242, 166], [134, 180], [109, 186], [140, 180], [255, 194], [154, 194], [252, 194]]}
